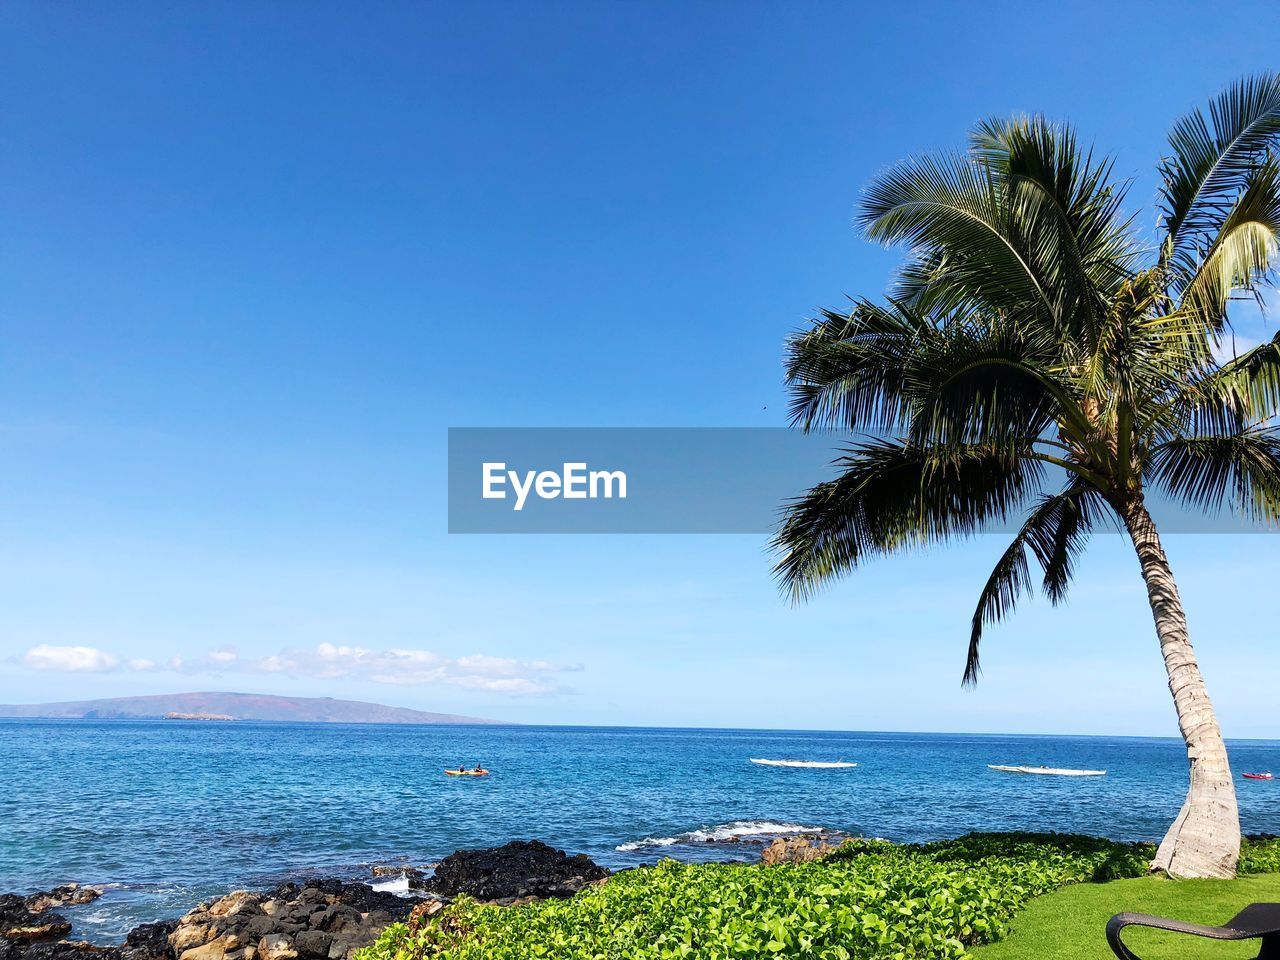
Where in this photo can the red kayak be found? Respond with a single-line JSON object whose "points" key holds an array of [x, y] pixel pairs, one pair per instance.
{"points": [[1258, 776]]}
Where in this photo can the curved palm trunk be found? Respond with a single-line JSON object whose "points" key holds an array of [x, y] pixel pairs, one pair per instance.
{"points": [[1205, 839]]}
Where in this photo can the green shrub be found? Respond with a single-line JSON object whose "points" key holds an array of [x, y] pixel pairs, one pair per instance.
{"points": [[1260, 855], [1109, 860], [869, 900]]}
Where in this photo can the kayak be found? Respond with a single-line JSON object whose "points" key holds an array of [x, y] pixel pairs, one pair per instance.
{"points": [[1048, 771], [1258, 776], [809, 764], [467, 773]]}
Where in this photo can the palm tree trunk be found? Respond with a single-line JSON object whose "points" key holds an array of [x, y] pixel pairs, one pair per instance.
{"points": [[1205, 839]]}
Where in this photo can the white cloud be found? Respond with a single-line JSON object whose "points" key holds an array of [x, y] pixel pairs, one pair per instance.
{"points": [[274, 664], [218, 659], [411, 667], [399, 666], [70, 659]]}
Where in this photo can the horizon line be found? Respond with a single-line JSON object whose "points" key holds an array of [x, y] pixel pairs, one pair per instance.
{"points": [[608, 726]]}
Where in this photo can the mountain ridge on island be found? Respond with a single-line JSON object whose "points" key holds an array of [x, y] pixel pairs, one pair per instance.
{"points": [[232, 706]]}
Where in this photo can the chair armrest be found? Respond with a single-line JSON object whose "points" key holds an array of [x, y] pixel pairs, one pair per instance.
{"points": [[1122, 920]]}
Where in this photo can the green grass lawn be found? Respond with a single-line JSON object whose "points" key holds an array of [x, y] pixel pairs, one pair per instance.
{"points": [[1070, 924]]}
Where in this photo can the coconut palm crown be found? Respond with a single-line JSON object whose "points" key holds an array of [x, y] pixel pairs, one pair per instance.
{"points": [[1035, 361]]}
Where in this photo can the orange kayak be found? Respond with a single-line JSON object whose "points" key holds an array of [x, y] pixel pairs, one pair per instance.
{"points": [[467, 773]]}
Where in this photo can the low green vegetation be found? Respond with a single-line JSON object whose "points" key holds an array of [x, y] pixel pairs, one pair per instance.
{"points": [[1069, 924], [871, 900]]}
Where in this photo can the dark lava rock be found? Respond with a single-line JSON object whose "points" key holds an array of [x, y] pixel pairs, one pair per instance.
{"points": [[418, 879], [150, 941], [523, 868], [313, 943], [286, 891], [19, 923], [56, 950], [339, 917], [359, 896], [29, 930]]}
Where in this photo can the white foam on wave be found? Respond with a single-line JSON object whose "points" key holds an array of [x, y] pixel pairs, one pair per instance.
{"points": [[397, 885], [93, 917], [743, 829]]}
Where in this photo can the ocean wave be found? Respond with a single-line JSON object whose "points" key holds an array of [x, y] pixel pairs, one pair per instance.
{"points": [[397, 885], [738, 830]]}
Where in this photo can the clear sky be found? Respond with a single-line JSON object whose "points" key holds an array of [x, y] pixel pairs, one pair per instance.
{"points": [[258, 257]]}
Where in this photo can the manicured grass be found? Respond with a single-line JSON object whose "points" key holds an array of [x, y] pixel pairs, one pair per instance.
{"points": [[1069, 924]]}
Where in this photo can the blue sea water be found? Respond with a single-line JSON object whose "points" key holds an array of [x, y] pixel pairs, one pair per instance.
{"points": [[166, 813]]}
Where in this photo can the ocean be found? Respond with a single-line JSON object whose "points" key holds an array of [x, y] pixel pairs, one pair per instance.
{"points": [[166, 813]]}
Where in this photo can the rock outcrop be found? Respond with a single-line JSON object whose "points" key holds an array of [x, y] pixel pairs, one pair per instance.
{"points": [[29, 920], [795, 850], [150, 941], [20, 924], [69, 894], [30, 930], [315, 920], [517, 871]]}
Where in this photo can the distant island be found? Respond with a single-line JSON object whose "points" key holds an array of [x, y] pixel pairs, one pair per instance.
{"points": [[231, 706]]}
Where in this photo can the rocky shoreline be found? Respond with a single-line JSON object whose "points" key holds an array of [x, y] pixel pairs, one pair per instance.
{"points": [[323, 918], [311, 919]]}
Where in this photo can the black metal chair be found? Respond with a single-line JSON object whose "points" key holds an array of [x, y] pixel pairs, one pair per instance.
{"points": [[1256, 921]]}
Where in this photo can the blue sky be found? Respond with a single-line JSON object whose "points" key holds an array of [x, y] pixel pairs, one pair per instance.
{"points": [[259, 257]]}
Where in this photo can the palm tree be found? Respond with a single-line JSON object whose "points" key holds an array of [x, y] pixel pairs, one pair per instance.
{"points": [[1031, 338]]}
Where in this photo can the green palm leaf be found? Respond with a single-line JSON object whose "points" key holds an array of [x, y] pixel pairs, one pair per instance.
{"points": [[890, 496], [1240, 471], [1055, 532], [1213, 159]]}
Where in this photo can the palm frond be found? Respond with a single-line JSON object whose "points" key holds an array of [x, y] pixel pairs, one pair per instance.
{"points": [[1055, 532], [1254, 377], [1224, 400], [955, 207], [1239, 471], [985, 382], [1072, 196], [1241, 253], [1213, 159], [847, 371], [892, 495]]}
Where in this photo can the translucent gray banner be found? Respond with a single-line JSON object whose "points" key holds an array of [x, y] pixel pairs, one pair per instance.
{"points": [[665, 480]]}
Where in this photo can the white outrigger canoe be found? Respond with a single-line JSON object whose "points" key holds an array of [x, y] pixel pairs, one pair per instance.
{"points": [[811, 764], [1048, 771]]}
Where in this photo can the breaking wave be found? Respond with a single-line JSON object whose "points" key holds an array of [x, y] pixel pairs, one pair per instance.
{"points": [[739, 830]]}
